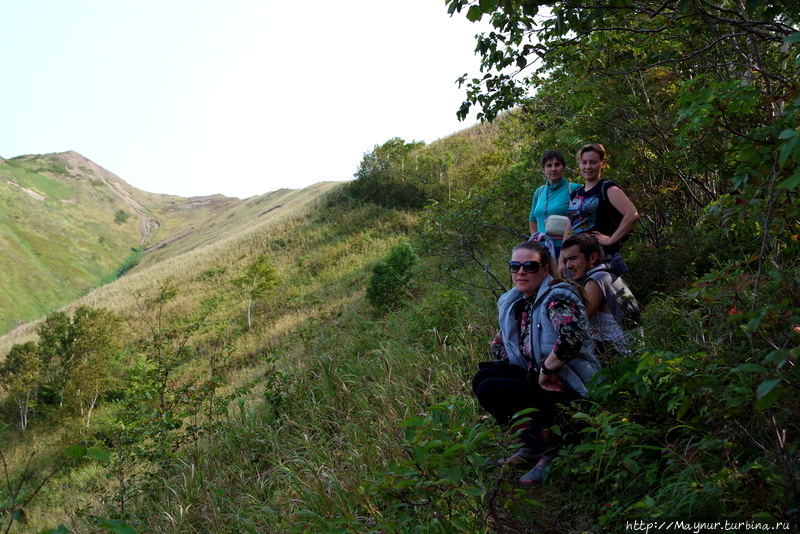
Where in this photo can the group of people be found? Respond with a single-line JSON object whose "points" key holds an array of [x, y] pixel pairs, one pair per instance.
{"points": [[568, 310]]}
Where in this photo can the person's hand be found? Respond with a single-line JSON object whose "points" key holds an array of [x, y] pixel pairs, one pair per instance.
{"points": [[550, 382], [602, 238]]}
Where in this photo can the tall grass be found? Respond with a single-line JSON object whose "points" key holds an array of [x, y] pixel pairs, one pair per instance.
{"points": [[342, 396], [316, 435], [336, 378]]}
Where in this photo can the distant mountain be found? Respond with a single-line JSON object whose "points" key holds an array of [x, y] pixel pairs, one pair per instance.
{"points": [[68, 225]]}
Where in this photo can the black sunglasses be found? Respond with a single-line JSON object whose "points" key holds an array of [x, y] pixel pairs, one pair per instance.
{"points": [[529, 266]]}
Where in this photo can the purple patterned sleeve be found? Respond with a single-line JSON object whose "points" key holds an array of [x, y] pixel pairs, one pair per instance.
{"points": [[563, 314]]}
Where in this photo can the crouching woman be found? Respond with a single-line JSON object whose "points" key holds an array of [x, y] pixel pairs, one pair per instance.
{"points": [[544, 355]]}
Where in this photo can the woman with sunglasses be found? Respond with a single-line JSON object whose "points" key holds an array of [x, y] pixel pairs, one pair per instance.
{"points": [[544, 355]]}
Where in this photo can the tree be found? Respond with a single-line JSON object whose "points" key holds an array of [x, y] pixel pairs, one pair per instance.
{"points": [[54, 344], [120, 217], [95, 341], [165, 340], [617, 37], [256, 281], [20, 376], [76, 353], [387, 176], [696, 101], [698, 104]]}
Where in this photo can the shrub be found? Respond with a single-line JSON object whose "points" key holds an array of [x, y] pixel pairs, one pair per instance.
{"points": [[120, 217], [391, 277], [436, 489]]}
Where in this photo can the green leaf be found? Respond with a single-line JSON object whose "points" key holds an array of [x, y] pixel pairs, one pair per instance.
{"points": [[733, 402], [768, 393], [750, 368], [99, 454], [777, 356], [433, 444], [76, 452], [755, 323], [766, 387], [453, 449], [791, 147], [685, 405], [474, 491], [116, 526], [474, 14], [461, 524], [630, 464], [791, 182], [792, 38], [477, 460], [412, 422]]}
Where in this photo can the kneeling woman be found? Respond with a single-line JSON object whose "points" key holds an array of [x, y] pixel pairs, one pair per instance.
{"points": [[544, 354]]}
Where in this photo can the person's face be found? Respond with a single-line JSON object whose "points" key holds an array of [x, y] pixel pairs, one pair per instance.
{"points": [[591, 165], [553, 170], [525, 282], [577, 264]]}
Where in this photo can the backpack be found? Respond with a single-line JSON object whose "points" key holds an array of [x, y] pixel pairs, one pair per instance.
{"points": [[606, 207], [627, 311]]}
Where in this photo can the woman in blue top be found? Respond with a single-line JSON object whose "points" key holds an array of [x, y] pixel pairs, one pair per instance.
{"points": [[551, 199]]}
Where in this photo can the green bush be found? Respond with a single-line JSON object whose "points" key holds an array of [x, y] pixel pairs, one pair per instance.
{"points": [[682, 255], [445, 453], [120, 217], [391, 277], [390, 176]]}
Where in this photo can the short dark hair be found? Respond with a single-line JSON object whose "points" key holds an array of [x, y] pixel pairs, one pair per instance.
{"points": [[554, 154], [587, 243]]}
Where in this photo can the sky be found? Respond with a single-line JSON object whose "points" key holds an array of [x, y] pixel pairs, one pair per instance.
{"points": [[240, 97]]}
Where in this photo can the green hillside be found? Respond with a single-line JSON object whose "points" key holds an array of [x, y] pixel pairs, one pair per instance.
{"points": [[335, 411], [59, 236], [68, 225], [301, 362]]}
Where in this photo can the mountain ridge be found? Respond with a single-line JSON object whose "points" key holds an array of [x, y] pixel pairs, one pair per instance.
{"points": [[68, 225]]}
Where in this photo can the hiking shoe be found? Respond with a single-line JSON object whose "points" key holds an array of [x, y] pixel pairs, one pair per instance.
{"points": [[524, 455], [536, 475]]}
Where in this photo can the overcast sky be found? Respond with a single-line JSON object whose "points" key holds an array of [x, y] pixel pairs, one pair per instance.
{"points": [[240, 97]]}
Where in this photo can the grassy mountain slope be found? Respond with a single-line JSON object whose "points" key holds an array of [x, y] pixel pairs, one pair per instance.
{"points": [[336, 378], [58, 234], [68, 225], [322, 252], [332, 415]]}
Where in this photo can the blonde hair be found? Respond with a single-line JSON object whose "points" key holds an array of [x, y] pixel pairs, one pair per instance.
{"points": [[592, 147]]}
